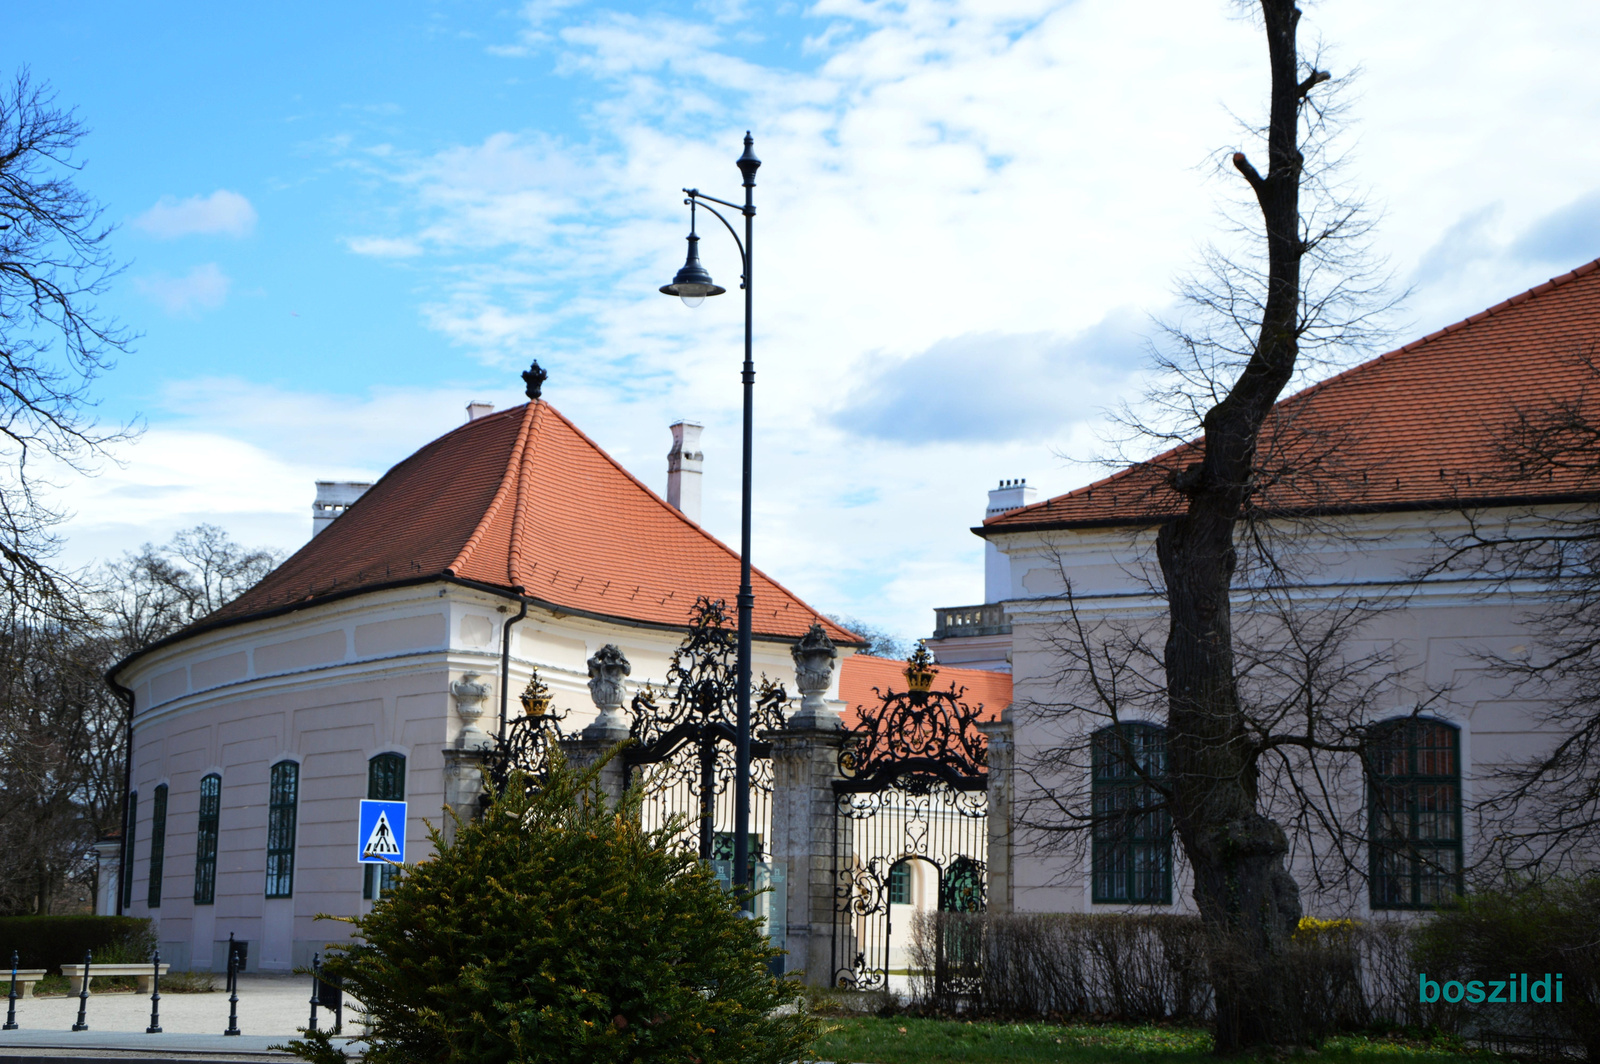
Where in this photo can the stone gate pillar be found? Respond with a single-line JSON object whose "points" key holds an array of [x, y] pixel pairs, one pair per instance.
{"points": [[805, 762], [606, 671], [1001, 758]]}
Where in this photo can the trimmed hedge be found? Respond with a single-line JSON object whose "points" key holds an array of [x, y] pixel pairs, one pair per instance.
{"points": [[51, 941], [1151, 968]]}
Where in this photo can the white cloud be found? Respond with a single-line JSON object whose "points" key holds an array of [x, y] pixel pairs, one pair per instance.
{"points": [[222, 213], [203, 288], [945, 170], [383, 247]]}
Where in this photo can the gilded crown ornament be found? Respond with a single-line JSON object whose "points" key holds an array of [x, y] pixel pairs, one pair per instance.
{"points": [[921, 669], [535, 698]]}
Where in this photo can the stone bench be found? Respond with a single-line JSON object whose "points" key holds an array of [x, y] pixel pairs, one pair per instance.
{"points": [[143, 972], [26, 977]]}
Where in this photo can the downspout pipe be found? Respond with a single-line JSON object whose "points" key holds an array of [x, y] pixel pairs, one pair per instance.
{"points": [[505, 660]]}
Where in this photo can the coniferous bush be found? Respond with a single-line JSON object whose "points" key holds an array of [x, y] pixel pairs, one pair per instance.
{"points": [[557, 929], [1537, 928]]}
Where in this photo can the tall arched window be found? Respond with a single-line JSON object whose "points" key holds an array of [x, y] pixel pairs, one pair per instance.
{"points": [[900, 883], [1414, 813], [158, 846], [205, 845], [282, 797], [126, 886], [386, 781], [1132, 831]]}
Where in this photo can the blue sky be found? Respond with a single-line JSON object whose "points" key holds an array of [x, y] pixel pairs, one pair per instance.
{"points": [[344, 221]]}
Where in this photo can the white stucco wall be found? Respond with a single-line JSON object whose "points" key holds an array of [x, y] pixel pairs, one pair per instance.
{"points": [[330, 687], [1435, 637]]}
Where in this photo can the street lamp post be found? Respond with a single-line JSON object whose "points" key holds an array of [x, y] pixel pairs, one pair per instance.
{"points": [[693, 284]]}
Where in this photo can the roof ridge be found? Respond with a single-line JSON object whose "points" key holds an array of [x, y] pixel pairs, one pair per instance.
{"points": [[514, 550], [680, 515], [471, 545]]}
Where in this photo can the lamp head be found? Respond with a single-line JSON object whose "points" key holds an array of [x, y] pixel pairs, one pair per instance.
{"points": [[693, 283]]}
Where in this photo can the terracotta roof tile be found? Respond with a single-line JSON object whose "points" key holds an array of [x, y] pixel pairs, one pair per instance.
{"points": [[860, 673], [1416, 428], [523, 498]]}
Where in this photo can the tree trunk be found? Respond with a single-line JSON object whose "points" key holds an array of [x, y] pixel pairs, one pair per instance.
{"points": [[1248, 902]]}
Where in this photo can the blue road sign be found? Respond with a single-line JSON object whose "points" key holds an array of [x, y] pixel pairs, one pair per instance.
{"points": [[382, 838]]}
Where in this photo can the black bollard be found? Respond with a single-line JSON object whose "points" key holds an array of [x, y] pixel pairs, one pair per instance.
{"points": [[11, 1009], [233, 987], [155, 996], [316, 987], [83, 995]]}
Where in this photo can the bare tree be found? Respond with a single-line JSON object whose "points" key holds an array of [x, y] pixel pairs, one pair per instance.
{"points": [[1265, 701], [54, 261], [155, 591], [63, 733], [61, 759]]}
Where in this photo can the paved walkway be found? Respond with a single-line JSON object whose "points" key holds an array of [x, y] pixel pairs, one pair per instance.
{"points": [[272, 1009]]}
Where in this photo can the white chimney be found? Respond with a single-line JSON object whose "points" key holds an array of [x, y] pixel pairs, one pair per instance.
{"points": [[334, 497], [478, 408], [1010, 495], [684, 462]]}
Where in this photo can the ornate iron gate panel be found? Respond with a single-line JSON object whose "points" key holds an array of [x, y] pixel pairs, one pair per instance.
{"points": [[910, 823], [527, 741], [684, 745]]}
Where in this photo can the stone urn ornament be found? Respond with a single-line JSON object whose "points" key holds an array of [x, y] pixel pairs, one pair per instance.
{"points": [[606, 671], [813, 657], [470, 697]]}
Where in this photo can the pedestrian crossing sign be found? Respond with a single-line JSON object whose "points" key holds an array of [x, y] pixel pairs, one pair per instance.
{"points": [[382, 838]]}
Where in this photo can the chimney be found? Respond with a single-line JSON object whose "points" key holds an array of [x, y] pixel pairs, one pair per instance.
{"points": [[683, 469], [1010, 495], [478, 408], [334, 497]]}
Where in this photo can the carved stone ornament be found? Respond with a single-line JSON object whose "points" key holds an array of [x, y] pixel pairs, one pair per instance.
{"points": [[534, 378], [606, 670], [813, 657], [470, 697]]}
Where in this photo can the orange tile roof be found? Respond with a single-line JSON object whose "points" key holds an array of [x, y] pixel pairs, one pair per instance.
{"points": [[860, 673], [522, 498], [1414, 429]]}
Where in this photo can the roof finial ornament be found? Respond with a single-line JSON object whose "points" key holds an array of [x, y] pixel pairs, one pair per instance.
{"points": [[535, 378]]}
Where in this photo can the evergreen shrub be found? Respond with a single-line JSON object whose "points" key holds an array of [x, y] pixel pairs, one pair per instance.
{"points": [[1534, 929], [51, 941], [556, 929]]}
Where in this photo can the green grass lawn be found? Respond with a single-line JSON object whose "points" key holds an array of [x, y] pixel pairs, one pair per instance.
{"points": [[906, 1040]]}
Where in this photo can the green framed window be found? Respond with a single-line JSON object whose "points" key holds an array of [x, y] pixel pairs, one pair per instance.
{"points": [[386, 781], [283, 795], [1414, 814], [961, 888], [158, 846], [1131, 828], [126, 885], [205, 843], [900, 884]]}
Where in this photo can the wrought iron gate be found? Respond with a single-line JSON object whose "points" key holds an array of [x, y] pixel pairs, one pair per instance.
{"points": [[685, 744], [910, 814], [525, 744]]}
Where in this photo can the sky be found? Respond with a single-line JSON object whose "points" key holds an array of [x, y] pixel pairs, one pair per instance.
{"points": [[342, 222]]}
